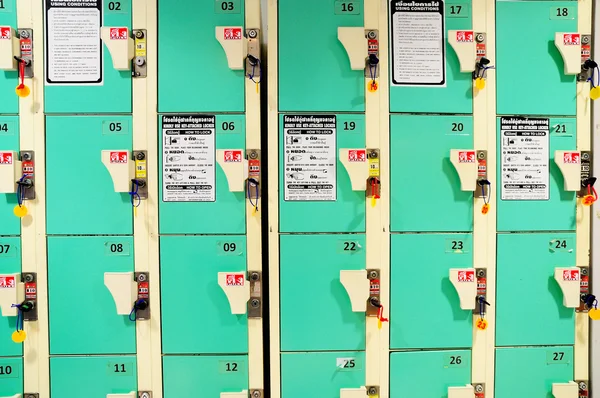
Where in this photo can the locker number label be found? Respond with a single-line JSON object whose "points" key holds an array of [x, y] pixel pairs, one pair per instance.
{"points": [[115, 248], [120, 368], [454, 361], [117, 7], [562, 12], [563, 129], [227, 6], [458, 10], [347, 364], [456, 246], [5, 6], [8, 371], [7, 128], [561, 245], [348, 246], [230, 248], [555, 357], [231, 367], [347, 8], [7, 250], [115, 127]]}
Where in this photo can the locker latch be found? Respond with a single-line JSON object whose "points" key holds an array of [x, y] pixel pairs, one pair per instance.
{"points": [[372, 61], [587, 190], [141, 306], [374, 301], [587, 64], [255, 301], [256, 393], [129, 175], [374, 181], [584, 391], [481, 298], [140, 180], [253, 181], [139, 67], [26, 184], [29, 305], [253, 64], [145, 394], [26, 47], [31, 395], [372, 391], [483, 184], [479, 390], [587, 299], [482, 63]]}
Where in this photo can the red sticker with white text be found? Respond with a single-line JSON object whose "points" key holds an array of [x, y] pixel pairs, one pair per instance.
{"points": [[232, 156], [5, 32], [7, 282], [571, 275], [232, 34], [571, 157], [234, 280], [466, 157], [118, 157], [357, 155], [571, 39], [464, 36], [119, 33], [6, 157], [466, 276]]}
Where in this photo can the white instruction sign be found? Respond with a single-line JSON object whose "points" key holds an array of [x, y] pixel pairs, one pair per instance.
{"points": [[310, 158], [73, 43], [188, 158], [525, 158], [418, 45]]}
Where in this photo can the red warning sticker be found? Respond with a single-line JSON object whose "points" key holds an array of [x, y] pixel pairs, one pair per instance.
{"points": [[6, 158], [234, 280], [571, 275], [5, 32], [119, 33], [118, 157], [571, 39], [465, 36], [466, 276], [357, 155], [466, 157], [232, 156], [7, 281], [232, 34]]}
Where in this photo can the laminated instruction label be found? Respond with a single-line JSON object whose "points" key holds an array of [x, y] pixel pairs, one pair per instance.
{"points": [[310, 158], [73, 43], [418, 47], [525, 158], [188, 164]]}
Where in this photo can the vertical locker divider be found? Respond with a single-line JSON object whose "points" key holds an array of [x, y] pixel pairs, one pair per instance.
{"points": [[581, 349], [36, 370], [484, 225], [145, 220]]}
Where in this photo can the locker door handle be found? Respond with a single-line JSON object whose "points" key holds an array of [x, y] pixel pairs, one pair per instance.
{"points": [[241, 394], [360, 392], [565, 390], [569, 163], [9, 49], [465, 163], [355, 43], [131, 394], [120, 166], [120, 46], [14, 396], [237, 289], [11, 295], [569, 46], [461, 392], [357, 286], [569, 281], [235, 166], [123, 288], [357, 166], [234, 44], [463, 43], [465, 283], [10, 170]]}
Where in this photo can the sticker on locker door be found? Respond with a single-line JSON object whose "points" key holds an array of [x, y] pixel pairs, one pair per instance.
{"points": [[310, 158], [418, 47], [6, 158], [188, 158], [7, 282], [525, 158], [73, 46], [5, 32]]}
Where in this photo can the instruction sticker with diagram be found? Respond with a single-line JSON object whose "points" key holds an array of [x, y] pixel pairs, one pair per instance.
{"points": [[73, 43], [525, 158], [310, 158], [188, 158], [418, 47]]}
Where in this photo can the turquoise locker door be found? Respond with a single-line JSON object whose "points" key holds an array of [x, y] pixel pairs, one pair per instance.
{"points": [[185, 377], [337, 209], [457, 94], [92, 377], [9, 141], [525, 283], [81, 198], [9, 79], [322, 373], [314, 68], [83, 312], [106, 92], [558, 212], [428, 373], [531, 371], [424, 181], [189, 278], [227, 213], [11, 376], [420, 266], [10, 263], [524, 34], [192, 41], [310, 278]]}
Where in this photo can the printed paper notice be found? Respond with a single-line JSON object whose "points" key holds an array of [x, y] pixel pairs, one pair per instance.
{"points": [[188, 158], [73, 44], [418, 45], [525, 158], [310, 158]]}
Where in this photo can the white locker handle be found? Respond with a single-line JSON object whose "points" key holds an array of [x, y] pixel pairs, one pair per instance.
{"points": [[241, 394], [131, 394], [569, 163], [10, 171], [123, 289], [9, 48], [465, 163], [465, 283], [13, 396], [463, 43], [569, 46], [120, 46], [357, 286], [565, 390], [11, 292], [234, 44], [355, 42], [237, 289], [120, 166], [461, 392], [569, 281], [235, 166], [360, 392], [357, 166]]}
